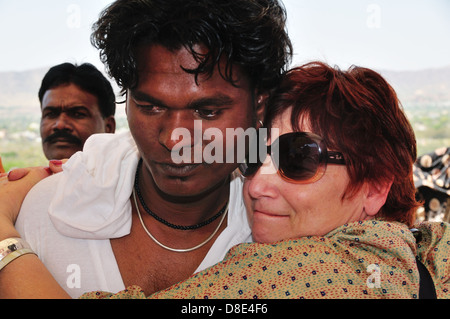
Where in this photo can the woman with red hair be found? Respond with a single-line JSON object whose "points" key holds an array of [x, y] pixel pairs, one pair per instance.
{"points": [[331, 203]]}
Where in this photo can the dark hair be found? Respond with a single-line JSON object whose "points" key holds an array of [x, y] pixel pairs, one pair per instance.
{"points": [[357, 113], [85, 76], [249, 33]]}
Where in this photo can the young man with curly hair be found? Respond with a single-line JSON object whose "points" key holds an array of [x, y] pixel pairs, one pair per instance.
{"points": [[122, 212]]}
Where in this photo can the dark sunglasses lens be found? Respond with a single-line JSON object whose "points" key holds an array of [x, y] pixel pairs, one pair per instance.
{"points": [[299, 157]]}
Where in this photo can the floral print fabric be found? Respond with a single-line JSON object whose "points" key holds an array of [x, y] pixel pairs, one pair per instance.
{"points": [[370, 259]]}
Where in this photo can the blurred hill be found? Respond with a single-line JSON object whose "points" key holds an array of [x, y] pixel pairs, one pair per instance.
{"points": [[19, 89], [421, 87]]}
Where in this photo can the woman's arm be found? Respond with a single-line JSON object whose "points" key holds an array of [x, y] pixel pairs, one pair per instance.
{"points": [[25, 276]]}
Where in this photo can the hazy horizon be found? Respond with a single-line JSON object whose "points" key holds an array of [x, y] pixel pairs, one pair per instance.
{"points": [[400, 35]]}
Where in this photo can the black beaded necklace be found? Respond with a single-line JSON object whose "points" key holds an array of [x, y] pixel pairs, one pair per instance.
{"points": [[165, 222]]}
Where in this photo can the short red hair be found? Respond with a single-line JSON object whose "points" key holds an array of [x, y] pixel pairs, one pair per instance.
{"points": [[357, 113]]}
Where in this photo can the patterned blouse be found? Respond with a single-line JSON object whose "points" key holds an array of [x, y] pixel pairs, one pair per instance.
{"points": [[370, 259]]}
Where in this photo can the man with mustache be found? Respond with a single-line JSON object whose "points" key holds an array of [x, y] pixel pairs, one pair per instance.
{"points": [[76, 102]]}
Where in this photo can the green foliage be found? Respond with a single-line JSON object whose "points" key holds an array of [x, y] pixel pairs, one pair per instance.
{"points": [[20, 143], [432, 127], [22, 154]]}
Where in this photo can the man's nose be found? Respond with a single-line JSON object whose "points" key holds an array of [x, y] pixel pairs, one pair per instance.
{"points": [[62, 122], [176, 132]]}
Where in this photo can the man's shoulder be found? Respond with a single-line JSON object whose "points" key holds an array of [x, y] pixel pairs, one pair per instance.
{"points": [[44, 189], [37, 201]]}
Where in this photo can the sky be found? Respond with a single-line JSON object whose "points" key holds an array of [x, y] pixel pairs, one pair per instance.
{"points": [[399, 35]]}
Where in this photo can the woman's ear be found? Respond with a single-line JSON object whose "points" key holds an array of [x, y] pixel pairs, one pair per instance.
{"points": [[375, 197]]}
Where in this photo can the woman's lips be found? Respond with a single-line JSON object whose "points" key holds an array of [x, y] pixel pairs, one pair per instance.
{"points": [[268, 214]]}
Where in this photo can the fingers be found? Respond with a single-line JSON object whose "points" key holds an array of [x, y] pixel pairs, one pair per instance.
{"points": [[14, 190], [19, 173], [37, 174], [56, 165]]}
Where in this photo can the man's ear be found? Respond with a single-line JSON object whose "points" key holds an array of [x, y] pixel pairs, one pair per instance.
{"points": [[260, 104], [110, 124], [375, 196]]}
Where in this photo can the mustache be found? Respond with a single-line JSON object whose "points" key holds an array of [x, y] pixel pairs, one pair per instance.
{"points": [[63, 135]]}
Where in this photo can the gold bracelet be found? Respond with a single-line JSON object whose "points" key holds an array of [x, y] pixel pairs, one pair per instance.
{"points": [[11, 249]]}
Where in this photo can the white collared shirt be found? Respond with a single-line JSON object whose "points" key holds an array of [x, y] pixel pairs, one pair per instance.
{"points": [[69, 218]]}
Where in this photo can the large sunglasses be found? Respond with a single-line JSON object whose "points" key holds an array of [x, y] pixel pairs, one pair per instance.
{"points": [[299, 157]]}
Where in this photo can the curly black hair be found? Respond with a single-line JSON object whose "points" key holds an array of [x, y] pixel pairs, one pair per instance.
{"points": [[249, 33]]}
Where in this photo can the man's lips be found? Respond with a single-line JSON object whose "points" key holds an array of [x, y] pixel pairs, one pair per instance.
{"points": [[178, 170], [62, 140]]}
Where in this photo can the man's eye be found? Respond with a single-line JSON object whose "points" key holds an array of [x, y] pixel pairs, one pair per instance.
{"points": [[78, 115], [207, 114], [50, 114], [150, 108]]}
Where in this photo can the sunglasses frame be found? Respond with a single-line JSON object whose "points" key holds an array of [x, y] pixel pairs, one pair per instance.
{"points": [[325, 157]]}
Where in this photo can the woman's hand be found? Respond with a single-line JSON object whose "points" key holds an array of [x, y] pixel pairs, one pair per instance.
{"points": [[13, 192], [24, 277], [15, 185]]}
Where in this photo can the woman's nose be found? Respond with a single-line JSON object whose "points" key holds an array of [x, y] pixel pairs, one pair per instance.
{"points": [[264, 182]]}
